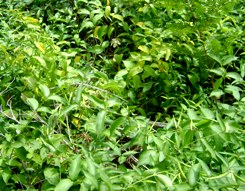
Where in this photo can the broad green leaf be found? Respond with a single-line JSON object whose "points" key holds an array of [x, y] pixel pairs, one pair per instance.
{"points": [[97, 17], [40, 46], [193, 174], [219, 71], [182, 187], [56, 139], [207, 113], [33, 103], [235, 76], [135, 70], [64, 185], [100, 122], [107, 11], [52, 175], [128, 64], [6, 175], [75, 168], [192, 114], [41, 61], [193, 79], [148, 157], [84, 11], [148, 72], [110, 30], [144, 48], [228, 59], [118, 58], [44, 89], [97, 49], [56, 98], [216, 58], [147, 86], [235, 90], [217, 93], [137, 82], [117, 16], [165, 180], [90, 179], [218, 83], [86, 24]]}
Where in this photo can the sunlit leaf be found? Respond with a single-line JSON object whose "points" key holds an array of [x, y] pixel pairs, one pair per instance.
{"points": [[193, 174], [33, 103], [52, 175], [207, 113], [100, 122], [64, 185], [117, 16], [44, 89], [165, 180], [75, 168]]}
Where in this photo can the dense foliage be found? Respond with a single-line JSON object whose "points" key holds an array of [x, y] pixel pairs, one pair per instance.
{"points": [[122, 95]]}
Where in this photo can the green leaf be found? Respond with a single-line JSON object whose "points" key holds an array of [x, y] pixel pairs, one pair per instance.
{"points": [[107, 11], [41, 61], [193, 174], [128, 64], [205, 167], [44, 89], [96, 101], [97, 49], [33, 103], [137, 82], [90, 180], [218, 83], [228, 59], [118, 58], [144, 48], [148, 72], [148, 157], [102, 31], [219, 71], [217, 93], [135, 70], [78, 94], [207, 145], [56, 98], [235, 76], [86, 24], [165, 180], [116, 124], [117, 16], [234, 90], [52, 175], [192, 114], [100, 122], [207, 113], [75, 168], [64, 185]]}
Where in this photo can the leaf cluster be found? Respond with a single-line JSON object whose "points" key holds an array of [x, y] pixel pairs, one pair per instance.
{"points": [[122, 95]]}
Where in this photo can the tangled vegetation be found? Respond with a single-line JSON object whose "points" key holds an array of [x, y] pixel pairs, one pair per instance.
{"points": [[122, 95]]}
